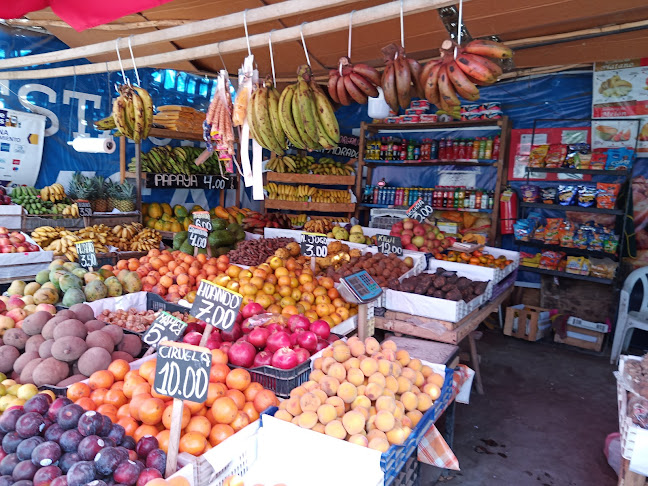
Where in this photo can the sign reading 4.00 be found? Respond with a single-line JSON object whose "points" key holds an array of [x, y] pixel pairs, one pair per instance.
{"points": [[216, 305], [313, 245], [197, 236], [182, 371]]}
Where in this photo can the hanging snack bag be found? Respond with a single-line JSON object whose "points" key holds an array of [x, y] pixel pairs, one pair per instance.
{"points": [[607, 195], [549, 195], [550, 260], [598, 160], [567, 195], [586, 196], [555, 155], [530, 193], [576, 152], [537, 155]]}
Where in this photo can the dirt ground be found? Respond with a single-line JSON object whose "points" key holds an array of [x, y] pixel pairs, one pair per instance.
{"points": [[542, 421]]}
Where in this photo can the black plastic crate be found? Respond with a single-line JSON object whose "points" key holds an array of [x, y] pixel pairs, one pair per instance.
{"points": [[280, 381]]}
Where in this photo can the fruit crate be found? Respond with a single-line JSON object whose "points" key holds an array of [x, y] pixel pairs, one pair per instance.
{"points": [[394, 460], [410, 474], [31, 222], [280, 381]]}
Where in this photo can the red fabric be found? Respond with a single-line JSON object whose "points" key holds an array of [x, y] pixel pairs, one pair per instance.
{"points": [[79, 14]]}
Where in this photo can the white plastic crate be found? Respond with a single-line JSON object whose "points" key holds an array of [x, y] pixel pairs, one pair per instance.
{"points": [[431, 307], [627, 429], [495, 275]]}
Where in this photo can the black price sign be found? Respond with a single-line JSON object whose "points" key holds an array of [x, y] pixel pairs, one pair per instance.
{"points": [[197, 236], [216, 305], [202, 220], [389, 244], [86, 251], [193, 181], [420, 211], [313, 245], [165, 327], [182, 371], [85, 209]]}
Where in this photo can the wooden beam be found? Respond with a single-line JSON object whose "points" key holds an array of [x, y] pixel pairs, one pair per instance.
{"points": [[366, 16], [145, 24]]}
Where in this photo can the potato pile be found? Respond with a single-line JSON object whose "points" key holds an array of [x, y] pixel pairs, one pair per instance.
{"points": [[64, 348], [366, 393], [440, 284]]}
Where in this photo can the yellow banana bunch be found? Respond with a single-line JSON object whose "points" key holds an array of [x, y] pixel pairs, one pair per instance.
{"points": [[133, 112], [54, 193], [72, 210]]}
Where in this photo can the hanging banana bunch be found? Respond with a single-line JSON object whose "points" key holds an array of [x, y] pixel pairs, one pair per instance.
{"points": [[263, 118], [400, 77], [132, 113]]}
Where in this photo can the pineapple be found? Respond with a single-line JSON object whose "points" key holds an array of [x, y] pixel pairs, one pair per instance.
{"points": [[112, 190], [108, 191], [125, 197], [85, 188], [74, 185], [99, 195]]}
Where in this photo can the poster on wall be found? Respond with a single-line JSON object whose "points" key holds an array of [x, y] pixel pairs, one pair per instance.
{"points": [[21, 147], [620, 90]]}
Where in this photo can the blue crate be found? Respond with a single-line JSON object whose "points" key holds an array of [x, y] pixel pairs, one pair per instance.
{"points": [[410, 475], [393, 461]]}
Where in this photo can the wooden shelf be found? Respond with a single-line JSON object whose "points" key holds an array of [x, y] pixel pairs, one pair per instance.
{"points": [[579, 209], [330, 180], [391, 206], [566, 170], [164, 133], [303, 206], [574, 276], [568, 250], [436, 162], [373, 127]]}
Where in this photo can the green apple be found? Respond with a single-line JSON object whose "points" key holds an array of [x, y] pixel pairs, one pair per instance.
{"points": [[25, 392]]}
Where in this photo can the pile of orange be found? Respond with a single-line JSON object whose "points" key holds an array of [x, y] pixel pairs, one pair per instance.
{"points": [[126, 396]]}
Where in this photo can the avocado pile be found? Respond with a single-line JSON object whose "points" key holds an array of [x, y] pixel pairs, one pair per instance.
{"points": [[222, 238]]}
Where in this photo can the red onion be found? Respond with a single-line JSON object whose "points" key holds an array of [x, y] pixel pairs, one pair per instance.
{"points": [[293, 337], [321, 328], [232, 334], [258, 337], [274, 327], [241, 353], [246, 327], [252, 309], [192, 337], [285, 359], [298, 321], [279, 339], [307, 340], [302, 355], [264, 358], [196, 327], [321, 344]]}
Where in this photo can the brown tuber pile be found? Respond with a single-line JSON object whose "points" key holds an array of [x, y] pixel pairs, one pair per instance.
{"points": [[441, 284]]}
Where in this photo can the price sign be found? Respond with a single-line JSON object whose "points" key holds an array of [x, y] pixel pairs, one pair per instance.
{"points": [[86, 251], [165, 327], [197, 236], [193, 181], [182, 371], [313, 245], [202, 220], [389, 244], [216, 305], [420, 211], [85, 209]]}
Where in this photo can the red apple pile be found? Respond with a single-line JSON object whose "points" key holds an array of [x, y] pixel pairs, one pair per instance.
{"points": [[4, 198], [15, 242], [258, 338], [423, 237]]}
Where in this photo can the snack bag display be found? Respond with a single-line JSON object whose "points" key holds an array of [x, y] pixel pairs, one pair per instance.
{"points": [[577, 265], [575, 154], [619, 158], [549, 195], [555, 155], [586, 196], [567, 195], [550, 260], [602, 268], [598, 160], [537, 155], [530, 193], [607, 195]]}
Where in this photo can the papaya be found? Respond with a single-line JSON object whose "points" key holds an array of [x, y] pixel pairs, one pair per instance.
{"points": [[166, 209], [176, 227], [180, 211], [154, 211], [218, 224], [151, 223], [221, 213], [196, 207]]}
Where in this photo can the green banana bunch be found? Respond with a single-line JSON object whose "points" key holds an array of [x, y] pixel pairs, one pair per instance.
{"points": [[263, 118], [132, 113], [293, 164], [177, 160], [306, 115]]}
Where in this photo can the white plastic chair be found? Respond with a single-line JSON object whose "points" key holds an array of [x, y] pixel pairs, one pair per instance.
{"points": [[628, 321]]}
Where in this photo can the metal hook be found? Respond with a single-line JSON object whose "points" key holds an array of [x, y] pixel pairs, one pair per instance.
{"points": [[247, 38], [301, 33], [350, 24], [274, 78], [120, 60], [130, 48], [401, 25], [220, 55]]}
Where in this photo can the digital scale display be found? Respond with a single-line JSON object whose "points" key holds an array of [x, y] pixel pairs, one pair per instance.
{"points": [[363, 287]]}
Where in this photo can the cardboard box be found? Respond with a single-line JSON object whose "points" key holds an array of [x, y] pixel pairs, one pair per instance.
{"points": [[592, 326], [447, 227], [527, 322], [582, 338]]}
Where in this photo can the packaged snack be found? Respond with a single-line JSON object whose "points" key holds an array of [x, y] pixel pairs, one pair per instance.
{"points": [[555, 155], [522, 229], [619, 158], [567, 195], [549, 260], [574, 153], [537, 155], [598, 160], [530, 193], [602, 268], [577, 265], [611, 245], [584, 161], [549, 195], [607, 195], [586, 196]]}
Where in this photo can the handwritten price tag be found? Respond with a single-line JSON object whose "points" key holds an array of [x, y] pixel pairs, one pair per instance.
{"points": [[420, 211], [216, 305], [165, 327], [202, 220], [182, 371], [313, 245], [197, 236], [86, 251], [388, 244]]}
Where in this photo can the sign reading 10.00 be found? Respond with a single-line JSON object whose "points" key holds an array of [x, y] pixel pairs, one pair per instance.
{"points": [[182, 371]]}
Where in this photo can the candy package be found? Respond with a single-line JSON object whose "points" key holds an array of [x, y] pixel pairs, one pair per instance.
{"points": [[567, 195], [619, 158], [555, 155], [530, 193], [537, 155], [607, 195], [586, 196], [598, 160]]}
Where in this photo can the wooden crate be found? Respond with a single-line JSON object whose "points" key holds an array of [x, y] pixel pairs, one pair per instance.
{"points": [[527, 321], [582, 338]]}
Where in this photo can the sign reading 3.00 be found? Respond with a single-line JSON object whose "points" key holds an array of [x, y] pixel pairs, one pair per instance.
{"points": [[165, 327], [86, 251], [216, 305], [420, 211], [182, 371], [313, 245]]}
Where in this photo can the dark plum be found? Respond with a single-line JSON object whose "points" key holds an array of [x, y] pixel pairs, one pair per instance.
{"points": [[109, 442], [8, 464], [81, 473], [128, 442], [46, 454], [60, 481], [56, 406], [145, 445], [39, 403], [45, 475], [90, 423], [24, 470], [23, 482], [97, 482], [89, 447], [9, 418], [67, 460], [30, 424], [10, 442], [106, 426], [157, 460], [148, 475], [70, 440], [26, 447], [3, 454], [68, 417], [132, 455], [117, 433], [127, 473], [6, 480], [53, 432], [107, 460]]}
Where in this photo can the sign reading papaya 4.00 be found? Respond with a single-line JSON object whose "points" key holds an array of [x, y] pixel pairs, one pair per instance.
{"points": [[165, 327], [182, 371], [313, 245], [216, 305]]}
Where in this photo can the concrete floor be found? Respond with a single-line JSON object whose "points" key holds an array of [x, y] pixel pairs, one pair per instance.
{"points": [[542, 421]]}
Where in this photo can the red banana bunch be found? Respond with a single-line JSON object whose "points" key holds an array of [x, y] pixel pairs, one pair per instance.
{"points": [[353, 82], [401, 78], [445, 79]]}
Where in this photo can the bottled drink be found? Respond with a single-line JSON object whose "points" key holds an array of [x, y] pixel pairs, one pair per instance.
{"points": [[403, 151], [410, 150], [473, 197], [417, 152], [442, 149], [496, 147], [375, 195], [488, 152], [434, 150], [475, 148], [478, 198], [466, 201], [482, 148], [449, 149]]}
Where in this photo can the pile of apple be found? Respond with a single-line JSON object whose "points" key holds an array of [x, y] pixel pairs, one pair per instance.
{"points": [[14, 309], [4, 197], [423, 237], [15, 242], [258, 338]]}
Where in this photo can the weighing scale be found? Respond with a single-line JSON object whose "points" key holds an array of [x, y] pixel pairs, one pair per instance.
{"points": [[360, 288]]}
